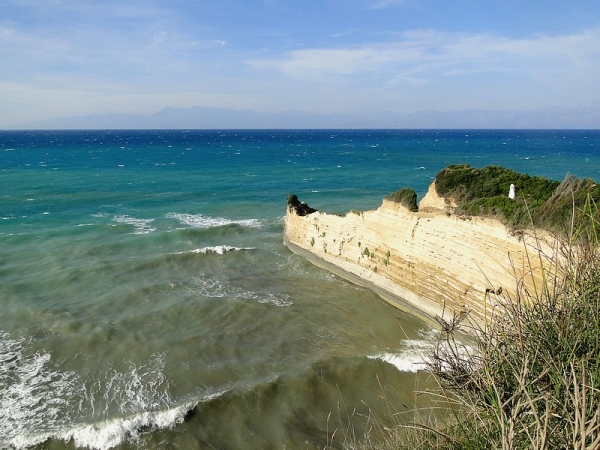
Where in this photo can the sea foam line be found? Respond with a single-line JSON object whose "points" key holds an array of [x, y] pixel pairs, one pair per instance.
{"points": [[202, 221]]}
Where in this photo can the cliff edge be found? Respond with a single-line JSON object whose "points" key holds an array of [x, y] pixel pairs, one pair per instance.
{"points": [[430, 263]]}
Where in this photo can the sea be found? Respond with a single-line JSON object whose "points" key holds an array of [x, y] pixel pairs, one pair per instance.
{"points": [[147, 300]]}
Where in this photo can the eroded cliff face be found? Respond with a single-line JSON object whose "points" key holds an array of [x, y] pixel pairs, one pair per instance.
{"points": [[430, 263]]}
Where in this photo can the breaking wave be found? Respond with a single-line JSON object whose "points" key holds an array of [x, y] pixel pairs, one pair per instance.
{"points": [[38, 402], [415, 354], [218, 249]]}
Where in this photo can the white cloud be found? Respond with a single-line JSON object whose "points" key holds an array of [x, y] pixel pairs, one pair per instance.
{"points": [[428, 54], [345, 33], [6, 32]]}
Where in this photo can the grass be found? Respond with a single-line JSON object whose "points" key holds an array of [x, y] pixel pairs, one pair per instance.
{"points": [[532, 378]]}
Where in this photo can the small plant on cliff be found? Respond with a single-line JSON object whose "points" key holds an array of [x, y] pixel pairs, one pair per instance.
{"points": [[386, 261], [406, 197]]}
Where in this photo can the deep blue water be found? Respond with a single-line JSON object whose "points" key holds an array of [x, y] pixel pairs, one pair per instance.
{"points": [[147, 300]]}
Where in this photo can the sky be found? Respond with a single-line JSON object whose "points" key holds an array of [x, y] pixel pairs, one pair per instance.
{"points": [[63, 58]]}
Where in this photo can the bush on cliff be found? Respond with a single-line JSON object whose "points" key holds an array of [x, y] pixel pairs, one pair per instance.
{"points": [[539, 202], [406, 197]]}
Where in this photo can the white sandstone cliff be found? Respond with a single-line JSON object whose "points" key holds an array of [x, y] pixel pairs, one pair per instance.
{"points": [[430, 263]]}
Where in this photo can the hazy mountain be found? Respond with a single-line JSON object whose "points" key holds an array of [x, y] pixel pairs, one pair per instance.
{"points": [[197, 117], [200, 117]]}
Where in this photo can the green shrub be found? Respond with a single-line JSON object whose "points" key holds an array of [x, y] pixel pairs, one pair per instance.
{"points": [[406, 197], [540, 202]]}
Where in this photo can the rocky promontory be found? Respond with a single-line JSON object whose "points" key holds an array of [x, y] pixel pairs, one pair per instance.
{"points": [[435, 261]]}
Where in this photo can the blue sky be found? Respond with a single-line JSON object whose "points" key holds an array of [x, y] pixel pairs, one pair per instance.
{"points": [[63, 58]]}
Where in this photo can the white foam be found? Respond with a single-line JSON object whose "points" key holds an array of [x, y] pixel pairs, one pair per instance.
{"points": [[141, 226], [109, 434], [415, 354], [219, 249], [215, 288], [202, 221], [33, 398], [277, 300], [404, 362], [38, 402]]}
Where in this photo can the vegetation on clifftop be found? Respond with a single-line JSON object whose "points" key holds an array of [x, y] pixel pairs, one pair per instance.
{"points": [[540, 202], [406, 197]]}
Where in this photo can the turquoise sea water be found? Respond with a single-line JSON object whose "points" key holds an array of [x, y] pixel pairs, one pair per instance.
{"points": [[147, 299]]}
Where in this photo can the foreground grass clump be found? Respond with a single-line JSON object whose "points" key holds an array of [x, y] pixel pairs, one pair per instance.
{"points": [[406, 197], [530, 378], [540, 202]]}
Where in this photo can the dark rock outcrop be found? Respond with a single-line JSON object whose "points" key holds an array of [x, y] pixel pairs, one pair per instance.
{"points": [[301, 208]]}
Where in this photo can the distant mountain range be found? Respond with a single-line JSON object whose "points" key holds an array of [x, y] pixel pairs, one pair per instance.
{"points": [[199, 117]]}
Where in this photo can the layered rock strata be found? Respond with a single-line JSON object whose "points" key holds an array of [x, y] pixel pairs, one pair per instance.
{"points": [[429, 263]]}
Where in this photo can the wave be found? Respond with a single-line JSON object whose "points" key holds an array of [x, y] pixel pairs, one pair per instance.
{"points": [[416, 353], [38, 402], [32, 395], [404, 362], [216, 288], [111, 433], [202, 221], [141, 226], [219, 249]]}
